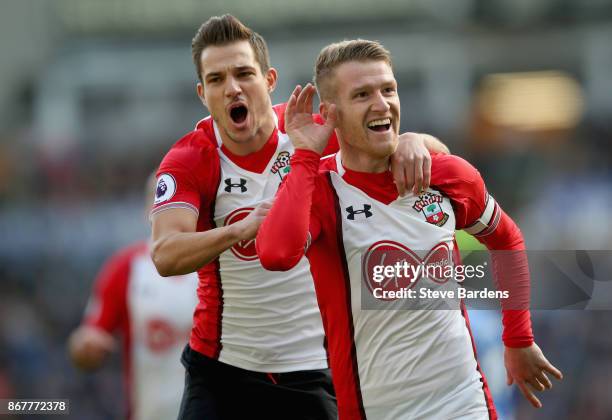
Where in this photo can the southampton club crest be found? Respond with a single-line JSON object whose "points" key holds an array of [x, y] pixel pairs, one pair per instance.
{"points": [[429, 204], [281, 165]]}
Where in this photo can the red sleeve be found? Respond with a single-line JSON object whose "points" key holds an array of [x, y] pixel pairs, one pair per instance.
{"points": [[286, 231], [107, 306], [187, 174], [478, 213], [462, 183]]}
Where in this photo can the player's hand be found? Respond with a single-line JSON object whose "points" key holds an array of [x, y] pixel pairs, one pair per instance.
{"points": [[89, 347], [247, 228], [411, 164], [527, 368], [301, 128]]}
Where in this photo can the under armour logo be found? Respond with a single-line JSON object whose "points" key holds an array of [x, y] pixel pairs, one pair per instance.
{"points": [[352, 212], [229, 185]]}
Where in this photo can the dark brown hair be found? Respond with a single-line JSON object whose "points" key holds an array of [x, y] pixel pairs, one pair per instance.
{"points": [[337, 53], [223, 30]]}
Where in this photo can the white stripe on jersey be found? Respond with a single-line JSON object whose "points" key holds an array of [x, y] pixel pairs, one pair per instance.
{"points": [[270, 320]]}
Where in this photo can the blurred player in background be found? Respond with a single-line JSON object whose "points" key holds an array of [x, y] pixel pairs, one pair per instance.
{"points": [[391, 364], [257, 345], [153, 314]]}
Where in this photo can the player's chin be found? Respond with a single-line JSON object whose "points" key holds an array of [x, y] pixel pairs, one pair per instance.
{"points": [[383, 150], [382, 139], [240, 128], [241, 136]]}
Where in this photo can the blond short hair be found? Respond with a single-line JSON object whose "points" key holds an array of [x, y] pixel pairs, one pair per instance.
{"points": [[337, 53]]}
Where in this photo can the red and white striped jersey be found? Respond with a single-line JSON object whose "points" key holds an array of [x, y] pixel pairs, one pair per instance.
{"points": [[153, 314], [390, 364], [413, 364], [247, 317]]}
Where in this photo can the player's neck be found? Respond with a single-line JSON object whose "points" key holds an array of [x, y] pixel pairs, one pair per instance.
{"points": [[255, 143], [360, 162]]}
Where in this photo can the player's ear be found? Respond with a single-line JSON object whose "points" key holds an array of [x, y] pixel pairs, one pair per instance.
{"points": [[200, 91], [271, 77], [323, 109]]}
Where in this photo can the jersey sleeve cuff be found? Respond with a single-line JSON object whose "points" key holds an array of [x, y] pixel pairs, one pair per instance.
{"points": [[174, 205], [518, 343], [307, 154]]}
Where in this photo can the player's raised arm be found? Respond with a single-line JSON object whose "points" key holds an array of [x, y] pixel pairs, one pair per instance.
{"points": [[300, 125], [283, 235]]}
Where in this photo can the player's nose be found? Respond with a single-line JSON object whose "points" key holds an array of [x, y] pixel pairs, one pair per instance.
{"points": [[232, 87], [379, 103]]}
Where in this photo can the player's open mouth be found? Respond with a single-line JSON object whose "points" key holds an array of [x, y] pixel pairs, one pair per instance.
{"points": [[380, 125], [238, 113]]}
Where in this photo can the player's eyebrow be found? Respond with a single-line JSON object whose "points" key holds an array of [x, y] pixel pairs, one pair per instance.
{"points": [[212, 74], [371, 86], [364, 87], [244, 67]]}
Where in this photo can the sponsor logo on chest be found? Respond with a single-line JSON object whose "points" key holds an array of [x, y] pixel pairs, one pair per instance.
{"points": [[391, 266], [243, 250]]}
